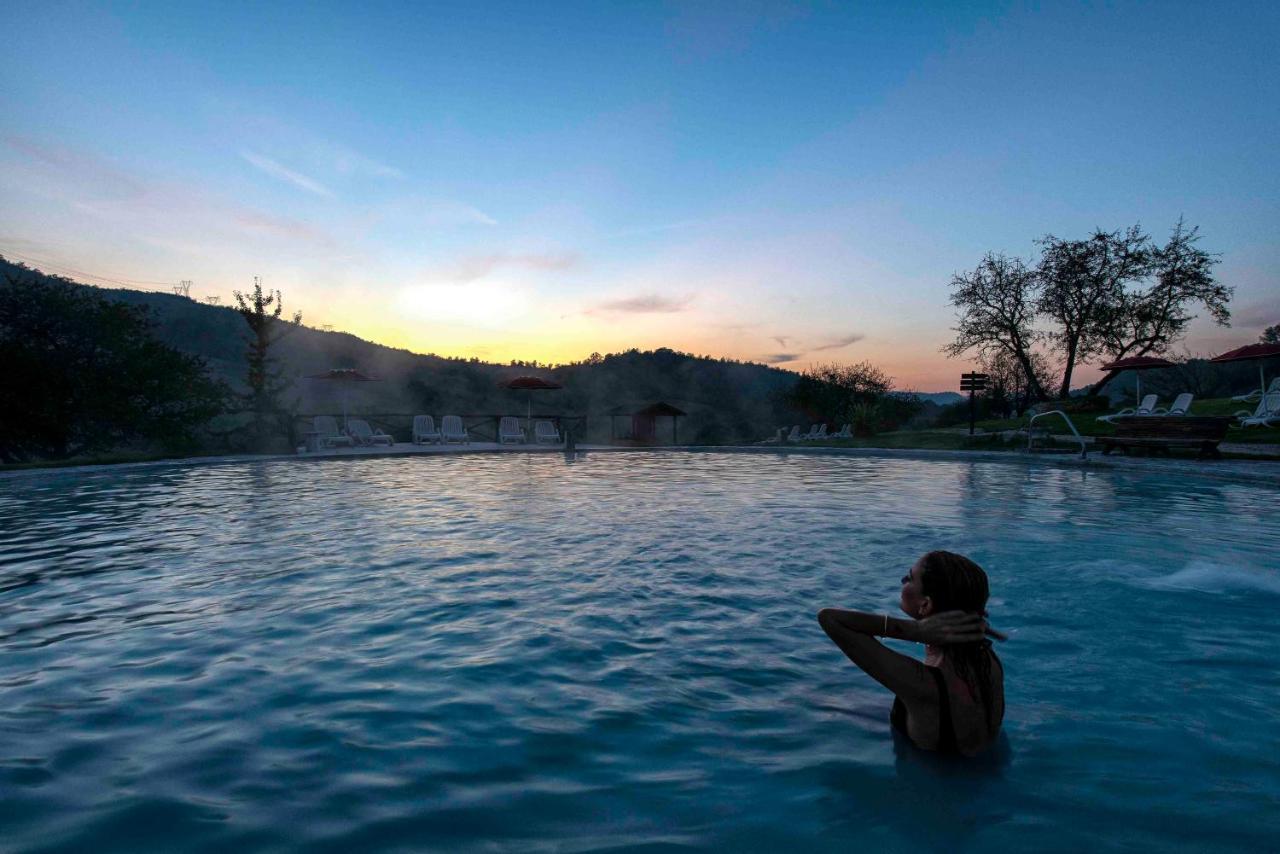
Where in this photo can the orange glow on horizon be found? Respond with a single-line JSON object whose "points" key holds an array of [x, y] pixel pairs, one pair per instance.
{"points": [[913, 372]]}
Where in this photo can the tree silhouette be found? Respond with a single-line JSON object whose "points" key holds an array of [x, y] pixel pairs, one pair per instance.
{"points": [[997, 307], [1112, 295], [265, 382], [1150, 321], [84, 374]]}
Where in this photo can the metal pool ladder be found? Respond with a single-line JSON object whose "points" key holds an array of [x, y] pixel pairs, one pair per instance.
{"points": [[1084, 449]]}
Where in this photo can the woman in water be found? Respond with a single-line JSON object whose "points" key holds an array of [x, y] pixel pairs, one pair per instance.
{"points": [[953, 702]]}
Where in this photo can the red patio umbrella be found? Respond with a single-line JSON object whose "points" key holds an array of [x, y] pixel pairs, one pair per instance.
{"points": [[344, 376], [531, 384], [1139, 364], [1250, 352]]}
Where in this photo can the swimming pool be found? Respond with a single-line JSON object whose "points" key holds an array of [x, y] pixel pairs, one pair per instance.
{"points": [[526, 653]]}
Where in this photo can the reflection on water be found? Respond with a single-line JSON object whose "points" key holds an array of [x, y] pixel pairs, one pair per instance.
{"points": [[614, 650]]}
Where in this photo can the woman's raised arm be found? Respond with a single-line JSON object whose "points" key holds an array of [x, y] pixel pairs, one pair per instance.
{"points": [[854, 631]]}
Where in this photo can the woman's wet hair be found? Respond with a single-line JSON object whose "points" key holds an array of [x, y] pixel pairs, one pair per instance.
{"points": [[955, 583]]}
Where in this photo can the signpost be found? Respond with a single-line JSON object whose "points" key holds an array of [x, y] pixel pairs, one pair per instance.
{"points": [[973, 383]]}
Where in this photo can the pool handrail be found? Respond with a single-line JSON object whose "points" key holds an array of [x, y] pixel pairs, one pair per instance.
{"points": [[1084, 449]]}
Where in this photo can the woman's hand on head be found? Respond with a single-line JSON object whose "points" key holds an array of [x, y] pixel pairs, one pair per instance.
{"points": [[950, 627]]}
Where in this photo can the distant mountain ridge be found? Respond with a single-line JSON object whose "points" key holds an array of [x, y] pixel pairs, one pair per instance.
{"points": [[726, 401], [941, 398]]}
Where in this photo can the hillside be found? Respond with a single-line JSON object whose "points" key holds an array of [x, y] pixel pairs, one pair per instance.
{"points": [[727, 401]]}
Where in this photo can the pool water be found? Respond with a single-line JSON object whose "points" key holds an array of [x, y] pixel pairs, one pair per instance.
{"points": [[620, 652]]}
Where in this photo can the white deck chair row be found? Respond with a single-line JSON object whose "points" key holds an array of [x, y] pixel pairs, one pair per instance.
{"points": [[1181, 406], [544, 432], [1146, 407], [816, 432], [451, 430], [358, 432]]}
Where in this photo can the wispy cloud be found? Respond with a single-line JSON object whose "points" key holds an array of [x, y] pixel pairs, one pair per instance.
{"points": [[650, 304], [104, 179], [314, 153], [480, 266], [278, 226], [1255, 315], [837, 343], [348, 162], [154, 212], [783, 340], [283, 173], [452, 213]]}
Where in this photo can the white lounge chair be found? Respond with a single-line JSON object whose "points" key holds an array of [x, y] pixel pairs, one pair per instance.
{"points": [[360, 431], [1257, 393], [509, 430], [451, 430], [794, 435], [424, 430], [544, 432], [1147, 406], [817, 433], [1266, 415], [1181, 405], [330, 435], [846, 432]]}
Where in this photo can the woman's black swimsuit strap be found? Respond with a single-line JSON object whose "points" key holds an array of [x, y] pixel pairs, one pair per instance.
{"points": [[946, 728]]}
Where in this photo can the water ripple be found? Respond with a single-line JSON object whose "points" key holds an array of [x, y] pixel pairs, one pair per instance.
{"points": [[513, 653]]}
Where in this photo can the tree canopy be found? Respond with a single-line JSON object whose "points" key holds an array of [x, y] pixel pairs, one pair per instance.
{"points": [[83, 373], [1108, 296]]}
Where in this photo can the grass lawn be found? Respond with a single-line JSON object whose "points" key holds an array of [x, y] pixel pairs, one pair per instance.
{"points": [[1089, 425], [955, 439]]}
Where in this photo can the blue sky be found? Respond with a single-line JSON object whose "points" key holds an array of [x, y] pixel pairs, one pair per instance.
{"points": [[541, 181]]}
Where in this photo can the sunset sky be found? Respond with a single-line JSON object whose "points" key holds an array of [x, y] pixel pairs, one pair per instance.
{"points": [[786, 183]]}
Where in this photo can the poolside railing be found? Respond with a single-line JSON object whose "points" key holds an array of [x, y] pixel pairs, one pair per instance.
{"points": [[1084, 448]]}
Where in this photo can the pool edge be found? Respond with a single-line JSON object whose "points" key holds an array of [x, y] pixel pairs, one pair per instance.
{"points": [[1265, 473]]}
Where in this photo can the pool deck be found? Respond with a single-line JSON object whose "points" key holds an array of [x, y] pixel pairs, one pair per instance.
{"points": [[1262, 472]]}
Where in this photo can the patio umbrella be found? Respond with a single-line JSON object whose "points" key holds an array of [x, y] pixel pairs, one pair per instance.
{"points": [[346, 376], [1248, 353], [1139, 364], [531, 384]]}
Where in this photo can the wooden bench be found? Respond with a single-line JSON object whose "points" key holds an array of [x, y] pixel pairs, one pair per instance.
{"points": [[1158, 433]]}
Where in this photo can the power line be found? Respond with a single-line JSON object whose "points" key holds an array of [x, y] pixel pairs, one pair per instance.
{"points": [[62, 269]]}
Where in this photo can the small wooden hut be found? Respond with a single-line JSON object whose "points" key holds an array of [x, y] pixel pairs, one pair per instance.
{"points": [[644, 423]]}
